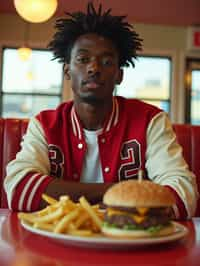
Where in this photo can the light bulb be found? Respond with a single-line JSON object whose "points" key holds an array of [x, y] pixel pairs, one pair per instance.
{"points": [[24, 53], [36, 10]]}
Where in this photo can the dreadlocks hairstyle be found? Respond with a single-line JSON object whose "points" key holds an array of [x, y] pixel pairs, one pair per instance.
{"points": [[115, 28]]}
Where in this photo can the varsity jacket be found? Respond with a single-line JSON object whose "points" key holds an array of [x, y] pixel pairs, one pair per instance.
{"points": [[135, 136]]}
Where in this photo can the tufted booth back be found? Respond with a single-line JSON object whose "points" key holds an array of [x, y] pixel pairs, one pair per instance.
{"points": [[11, 133], [189, 138], [12, 130]]}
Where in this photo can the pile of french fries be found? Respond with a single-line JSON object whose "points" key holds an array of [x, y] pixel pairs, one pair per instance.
{"points": [[66, 217]]}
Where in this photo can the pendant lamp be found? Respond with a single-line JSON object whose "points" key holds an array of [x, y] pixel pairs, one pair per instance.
{"points": [[36, 11], [24, 52]]}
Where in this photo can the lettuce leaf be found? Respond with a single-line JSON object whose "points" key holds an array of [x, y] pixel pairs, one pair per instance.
{"points": [[152, 229]]}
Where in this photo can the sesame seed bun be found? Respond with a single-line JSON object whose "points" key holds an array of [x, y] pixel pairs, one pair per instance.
{"points": [[135, 193]]}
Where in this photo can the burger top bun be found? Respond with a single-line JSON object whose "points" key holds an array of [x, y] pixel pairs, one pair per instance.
{"points": [[135, 193]]}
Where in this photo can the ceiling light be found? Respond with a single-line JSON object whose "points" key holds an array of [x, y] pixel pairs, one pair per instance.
{"points": [[24, 53], [36, 10]]}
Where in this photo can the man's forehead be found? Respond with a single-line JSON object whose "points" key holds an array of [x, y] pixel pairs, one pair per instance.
{"points": [[91, 40]]}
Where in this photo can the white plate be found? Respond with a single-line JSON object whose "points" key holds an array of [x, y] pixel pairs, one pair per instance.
{"points": [[106, 242]]}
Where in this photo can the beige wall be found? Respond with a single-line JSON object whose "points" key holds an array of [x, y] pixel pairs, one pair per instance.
{"points": [[158, 40]]}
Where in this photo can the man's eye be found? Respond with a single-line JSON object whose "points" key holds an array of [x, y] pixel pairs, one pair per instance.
{"points": [[83, 60], [107, 62]]}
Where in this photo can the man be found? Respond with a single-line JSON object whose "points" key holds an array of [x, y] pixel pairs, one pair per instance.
{"points": [[85, 145]]}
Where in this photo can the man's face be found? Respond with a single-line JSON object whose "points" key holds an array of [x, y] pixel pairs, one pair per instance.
{"points": [[93, 69]]}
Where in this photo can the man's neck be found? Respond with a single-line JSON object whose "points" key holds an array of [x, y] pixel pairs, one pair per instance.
{"points": [[93, 116]]}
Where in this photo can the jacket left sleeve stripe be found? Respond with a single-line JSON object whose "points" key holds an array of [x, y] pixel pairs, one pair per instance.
{"points": [[28, 193]]}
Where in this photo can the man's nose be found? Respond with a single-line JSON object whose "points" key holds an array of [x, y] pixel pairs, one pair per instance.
{"points": [[93, 67]]}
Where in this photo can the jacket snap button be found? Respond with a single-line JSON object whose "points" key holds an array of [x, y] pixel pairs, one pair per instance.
{"points": [[106, 169], [75, 176], [103, 140], [80, 146]]}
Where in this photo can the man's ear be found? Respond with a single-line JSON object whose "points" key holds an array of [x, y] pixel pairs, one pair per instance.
{"points": [[120, 76], [67, 71]]}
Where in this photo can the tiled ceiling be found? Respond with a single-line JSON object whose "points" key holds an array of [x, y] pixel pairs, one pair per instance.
{"points": [[166, 12]]}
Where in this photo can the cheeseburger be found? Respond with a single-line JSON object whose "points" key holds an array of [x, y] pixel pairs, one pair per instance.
{"points": [[138, 209]]}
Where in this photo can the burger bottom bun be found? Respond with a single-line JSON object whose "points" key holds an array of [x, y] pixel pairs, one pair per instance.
{"points": [[121, 233]]}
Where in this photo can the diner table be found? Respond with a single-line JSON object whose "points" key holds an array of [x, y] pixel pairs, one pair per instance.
{"points": [[20, 247]]}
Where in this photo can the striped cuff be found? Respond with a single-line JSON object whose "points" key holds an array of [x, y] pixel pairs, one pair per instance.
{"points": [[28, 193], [179, 208]]}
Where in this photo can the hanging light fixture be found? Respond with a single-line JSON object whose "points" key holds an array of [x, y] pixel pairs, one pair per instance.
{"points": [[25, 52], [36, 11]]}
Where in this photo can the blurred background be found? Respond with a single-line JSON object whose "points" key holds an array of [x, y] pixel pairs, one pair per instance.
{"points": [[167, 72]]}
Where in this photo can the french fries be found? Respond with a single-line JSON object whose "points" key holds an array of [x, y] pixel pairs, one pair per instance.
{"points": [[85, 204], [66, 217]]}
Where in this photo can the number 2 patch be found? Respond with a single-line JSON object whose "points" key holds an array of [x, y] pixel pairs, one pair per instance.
{"points": [[131, 154]]}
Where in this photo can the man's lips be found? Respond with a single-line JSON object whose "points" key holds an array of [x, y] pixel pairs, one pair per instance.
{"points": [[92, 84]]}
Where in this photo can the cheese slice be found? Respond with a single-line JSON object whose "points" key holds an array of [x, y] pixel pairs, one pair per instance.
{"points": [[138, 218], [111, 211], [142, 210]]}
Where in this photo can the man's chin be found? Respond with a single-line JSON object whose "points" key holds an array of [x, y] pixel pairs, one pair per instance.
{"points": [[93, 100]]}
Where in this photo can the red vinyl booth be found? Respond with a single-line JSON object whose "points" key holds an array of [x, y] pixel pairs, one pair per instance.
{"points": [[12, 130]]}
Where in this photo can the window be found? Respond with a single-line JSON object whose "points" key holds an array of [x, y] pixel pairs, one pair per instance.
{"points": [[195, 99], [30, 86], [149, 81], [192, 78]]}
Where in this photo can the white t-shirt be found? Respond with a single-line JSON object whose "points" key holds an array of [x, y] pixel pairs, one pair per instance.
{"points": [[92, 171]]}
